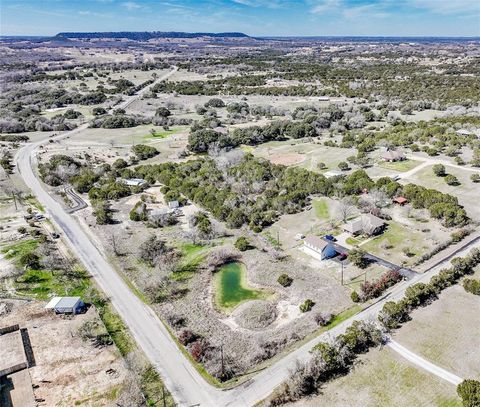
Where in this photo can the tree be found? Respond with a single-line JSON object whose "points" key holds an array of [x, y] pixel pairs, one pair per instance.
{"points": [[475, 178], [357, 257], [451, 180], [469, 391], [345, 209], [103, 212], [285, 280], [242, 244], [162, 112], [30, 260], [343, 165], [439, 170], [307, 305]]}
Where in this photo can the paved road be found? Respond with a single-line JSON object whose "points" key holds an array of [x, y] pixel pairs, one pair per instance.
{"points": [[185, 383], [424, 364], [79, 202]]}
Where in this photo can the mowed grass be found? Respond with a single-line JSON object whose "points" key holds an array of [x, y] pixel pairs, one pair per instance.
{"points": [[160, 133], [231, 288], [383, 379], [401, 166], [321, 209], [393, 240]]}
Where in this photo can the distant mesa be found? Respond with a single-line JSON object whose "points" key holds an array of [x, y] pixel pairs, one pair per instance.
{"points": [[143, 36]]}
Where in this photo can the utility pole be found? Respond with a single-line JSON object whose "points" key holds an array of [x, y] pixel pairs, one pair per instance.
{"points": [[221, 354], [15, 201]]}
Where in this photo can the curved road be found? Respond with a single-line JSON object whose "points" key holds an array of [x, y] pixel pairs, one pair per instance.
{"points": [[181, 378]]}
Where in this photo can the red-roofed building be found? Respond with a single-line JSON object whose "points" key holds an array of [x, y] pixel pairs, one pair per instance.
{"points": [[400, 200]]}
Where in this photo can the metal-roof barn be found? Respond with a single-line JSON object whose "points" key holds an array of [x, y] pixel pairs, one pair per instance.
{"points": [[66, 305]]}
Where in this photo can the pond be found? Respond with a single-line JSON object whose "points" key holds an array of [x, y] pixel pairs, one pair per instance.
{"points": [[230, 286]]}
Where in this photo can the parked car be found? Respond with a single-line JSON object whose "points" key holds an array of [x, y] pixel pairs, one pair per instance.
{"points": [[342, 256], [39, 216], [55, 235], [331, 238]]}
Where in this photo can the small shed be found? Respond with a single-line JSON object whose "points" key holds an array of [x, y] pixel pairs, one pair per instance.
{"points": [[66, 305], [325, 249], [400, 200], [332, 173], [173, 205]]}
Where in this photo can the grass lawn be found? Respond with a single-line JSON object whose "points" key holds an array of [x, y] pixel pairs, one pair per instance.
{"points": [[43, 284], [383, 378], [231, 288], [321, 209], [192, 256], [401, 166], [16, 250], [160, 133], [396, 237]]}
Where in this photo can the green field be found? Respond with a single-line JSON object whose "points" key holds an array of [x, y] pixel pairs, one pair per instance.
{"points": [[396, 237], [321, 209], [160, 133], [231, 289], [401, 166]]}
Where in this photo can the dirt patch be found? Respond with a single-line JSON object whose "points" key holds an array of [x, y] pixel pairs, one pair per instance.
{"points": [[287, 159], [69, 369], [255, 314]]}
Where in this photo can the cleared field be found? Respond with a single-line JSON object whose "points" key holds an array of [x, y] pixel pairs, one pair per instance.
{"points": [[453, 340], [383, 379], [467, 191], [301, 154], [401, 166]]}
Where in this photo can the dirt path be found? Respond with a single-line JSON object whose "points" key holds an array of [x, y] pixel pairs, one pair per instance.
{"points": [[424, 364]]}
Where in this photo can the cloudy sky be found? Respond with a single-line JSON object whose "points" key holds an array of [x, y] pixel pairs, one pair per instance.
{"points": [[254, 17]]}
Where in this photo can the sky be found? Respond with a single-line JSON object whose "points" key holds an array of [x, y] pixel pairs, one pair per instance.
{"points": [[254, 17]]}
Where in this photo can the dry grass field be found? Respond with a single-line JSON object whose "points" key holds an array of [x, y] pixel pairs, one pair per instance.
{"points": [[382, 378], [447, 332]]}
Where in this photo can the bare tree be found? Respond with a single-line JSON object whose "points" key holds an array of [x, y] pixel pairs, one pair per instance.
{"points": [[345, 209]]}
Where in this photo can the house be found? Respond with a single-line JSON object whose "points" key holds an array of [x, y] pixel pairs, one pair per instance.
{"points": [[66, 305], [133, 182], [393, 155], [325, 249], [367, 223], [332, 173], [463, 132], [173, 205], [400, 200]]}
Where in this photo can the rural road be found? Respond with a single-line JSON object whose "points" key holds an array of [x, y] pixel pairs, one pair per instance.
{"points": [[181, 378], [424, 364]]}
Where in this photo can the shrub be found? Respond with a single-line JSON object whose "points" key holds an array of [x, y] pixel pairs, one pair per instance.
{"points": [[307, 305], [323, 318], [357, 257], [469, 391], [475, 178], [354, 296], [439, 170], [285, 280], [451, 180], [242, 244], [472, 286], [30, 260], [143, 152]]}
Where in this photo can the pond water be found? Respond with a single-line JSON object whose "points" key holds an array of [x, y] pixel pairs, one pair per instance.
{"points": [[231, 289]]}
